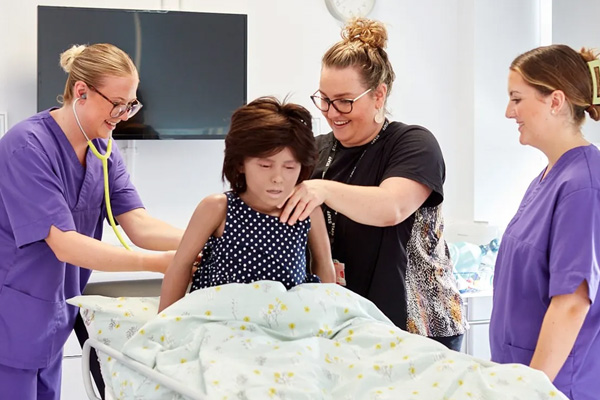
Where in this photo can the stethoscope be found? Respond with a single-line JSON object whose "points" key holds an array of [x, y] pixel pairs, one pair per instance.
{"points": [[104, 160]]}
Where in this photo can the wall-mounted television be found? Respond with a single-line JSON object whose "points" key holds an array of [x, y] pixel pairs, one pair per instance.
{"points": [[192, 65]]}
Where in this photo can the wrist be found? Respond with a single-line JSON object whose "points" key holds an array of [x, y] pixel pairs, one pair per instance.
{"points": [[324, 190], [150, 262]]}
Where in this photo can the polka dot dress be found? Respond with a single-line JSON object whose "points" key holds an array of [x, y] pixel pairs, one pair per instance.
{"points": [[254, 246]]}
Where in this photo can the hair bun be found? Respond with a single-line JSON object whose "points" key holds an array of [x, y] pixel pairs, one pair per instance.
{"points": [[588, 54], [369, 32], [68, 57], [594, 112]]}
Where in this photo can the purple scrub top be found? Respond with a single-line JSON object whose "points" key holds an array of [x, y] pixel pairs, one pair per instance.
{"points": [[549, 248], [42, 183]]}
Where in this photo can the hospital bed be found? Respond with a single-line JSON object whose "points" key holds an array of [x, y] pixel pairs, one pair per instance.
{"points": [[259, 341], [90, 364]]}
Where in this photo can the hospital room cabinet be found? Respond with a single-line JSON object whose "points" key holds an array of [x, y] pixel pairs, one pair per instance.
{"points": [[478, 309]]}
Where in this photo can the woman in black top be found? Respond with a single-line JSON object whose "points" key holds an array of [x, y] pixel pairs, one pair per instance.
{"points": [[380, 186]]}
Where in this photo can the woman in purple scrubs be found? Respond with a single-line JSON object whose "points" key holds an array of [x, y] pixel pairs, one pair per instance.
{"points": [[546, 311], [52, 212]]}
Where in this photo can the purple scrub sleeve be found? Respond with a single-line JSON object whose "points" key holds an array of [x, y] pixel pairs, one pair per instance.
{"points": [[33, 198], [573, 256]]}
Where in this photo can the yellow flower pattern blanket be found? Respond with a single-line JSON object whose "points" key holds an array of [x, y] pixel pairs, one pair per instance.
{"points": [[315, 341]]}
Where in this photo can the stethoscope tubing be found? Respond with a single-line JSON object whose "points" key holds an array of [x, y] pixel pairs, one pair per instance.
{"points": [[104, 159]]}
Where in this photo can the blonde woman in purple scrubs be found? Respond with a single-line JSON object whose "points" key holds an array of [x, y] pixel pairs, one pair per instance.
{"points": [[546, 311], [52, 212]]}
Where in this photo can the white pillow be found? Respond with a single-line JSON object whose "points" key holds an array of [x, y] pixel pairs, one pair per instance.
{"points": [[113, 320]]}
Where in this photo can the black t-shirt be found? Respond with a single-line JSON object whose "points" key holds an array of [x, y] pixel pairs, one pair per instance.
{"points": [[375, 258]]}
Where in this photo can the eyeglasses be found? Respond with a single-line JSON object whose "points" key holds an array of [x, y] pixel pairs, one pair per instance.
{"points": [[119, 109], [343, 106]]}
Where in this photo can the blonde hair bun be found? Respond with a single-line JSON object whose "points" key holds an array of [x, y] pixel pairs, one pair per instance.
{"points": [[369, 32], [68, 56]]}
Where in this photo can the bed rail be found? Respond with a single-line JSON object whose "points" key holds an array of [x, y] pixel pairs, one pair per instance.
{"points": [[172, 384]]}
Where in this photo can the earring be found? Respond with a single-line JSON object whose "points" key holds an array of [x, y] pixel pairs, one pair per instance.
{"points": [[552, 111], [379, 116]]}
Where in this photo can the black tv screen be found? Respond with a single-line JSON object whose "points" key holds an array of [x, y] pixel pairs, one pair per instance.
{"points": [[192, 66]]}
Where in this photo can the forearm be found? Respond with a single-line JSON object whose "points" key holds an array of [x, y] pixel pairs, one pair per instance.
{"points": [[324, 269], [148, 232], [173, 287], [369, 205], [83, 251], [320, 248], [158, 235], [558, 334]]}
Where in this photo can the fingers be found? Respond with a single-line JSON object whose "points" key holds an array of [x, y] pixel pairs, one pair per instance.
{"points": [[298, 211], [290, 206], [308, 210], [302, 211], [287, 198], [196, 263], [299, 205]]}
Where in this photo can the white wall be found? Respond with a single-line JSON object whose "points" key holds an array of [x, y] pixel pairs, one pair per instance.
{"points": [[450, 58], [503, 167]]}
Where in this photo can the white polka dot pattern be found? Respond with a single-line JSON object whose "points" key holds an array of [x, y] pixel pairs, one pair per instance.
{"points": [[254, 246]]}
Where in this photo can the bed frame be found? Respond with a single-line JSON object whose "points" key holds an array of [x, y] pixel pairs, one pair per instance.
{"points": [[89, 361]]}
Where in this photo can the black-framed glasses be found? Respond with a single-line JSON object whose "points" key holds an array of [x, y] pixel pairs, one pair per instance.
{"points": [[343, 106], [119, 109]]}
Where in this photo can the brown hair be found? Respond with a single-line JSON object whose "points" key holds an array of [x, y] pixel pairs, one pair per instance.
{"points": [[265, 127], [559, 67], [91, 64], [362, 46]]}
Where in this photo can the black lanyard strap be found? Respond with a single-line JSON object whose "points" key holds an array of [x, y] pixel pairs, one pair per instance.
{"points": [[330, 214]]}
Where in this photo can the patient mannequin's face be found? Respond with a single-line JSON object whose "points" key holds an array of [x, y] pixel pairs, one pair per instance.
{"points": [[357, 127], [270, 180]]}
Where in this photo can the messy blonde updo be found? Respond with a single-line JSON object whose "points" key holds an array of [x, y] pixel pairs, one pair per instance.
{"points": [[363, 46], [559, 67], [92, 64]]}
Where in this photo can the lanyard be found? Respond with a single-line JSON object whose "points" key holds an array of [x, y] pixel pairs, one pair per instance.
{"points": [[331, 215]]}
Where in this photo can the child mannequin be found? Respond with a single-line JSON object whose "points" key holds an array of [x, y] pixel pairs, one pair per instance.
{"points": [[269, 149]]}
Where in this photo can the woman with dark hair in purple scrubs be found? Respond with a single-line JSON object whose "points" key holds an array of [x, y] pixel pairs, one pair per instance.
{"points": [[52, 212], [546, 312]]}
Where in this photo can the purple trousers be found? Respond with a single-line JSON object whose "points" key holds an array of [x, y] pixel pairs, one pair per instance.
{"points": [[32, 384]]}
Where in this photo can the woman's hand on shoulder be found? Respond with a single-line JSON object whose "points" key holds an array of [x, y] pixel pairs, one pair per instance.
{"points": [[306, 196]]}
